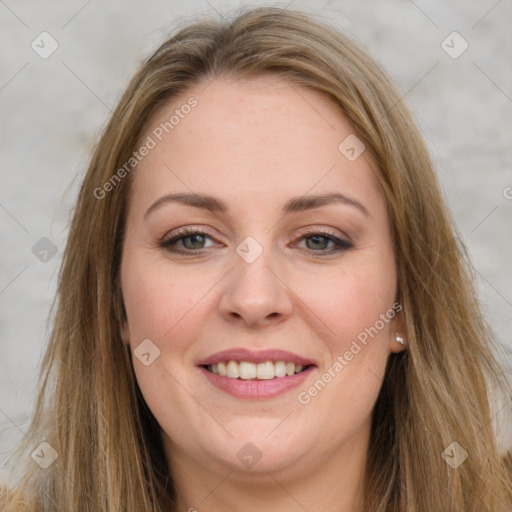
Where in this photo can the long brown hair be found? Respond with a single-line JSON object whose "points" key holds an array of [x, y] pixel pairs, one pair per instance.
{"points": [[438, 392]]}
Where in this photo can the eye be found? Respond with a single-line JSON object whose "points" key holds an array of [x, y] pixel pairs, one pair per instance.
{"points": [[191, 239], [317, 242]]}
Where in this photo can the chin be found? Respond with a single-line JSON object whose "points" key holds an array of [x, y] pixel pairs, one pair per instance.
{"points": [[251, 460], [258, 450]]}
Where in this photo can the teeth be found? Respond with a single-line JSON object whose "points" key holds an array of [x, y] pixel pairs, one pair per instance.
{"points": [[280, 368], [233, 371], [263, 371], [247, 370]]}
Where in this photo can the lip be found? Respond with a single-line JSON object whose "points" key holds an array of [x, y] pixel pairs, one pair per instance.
{"points": [[251, 356], [255, 389]]}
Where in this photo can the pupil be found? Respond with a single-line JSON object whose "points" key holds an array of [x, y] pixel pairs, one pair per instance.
{"points": [[195, 238], [315, 239]]}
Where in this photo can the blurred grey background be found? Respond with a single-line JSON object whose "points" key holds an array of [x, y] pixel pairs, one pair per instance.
{"points": [[65, 64]]}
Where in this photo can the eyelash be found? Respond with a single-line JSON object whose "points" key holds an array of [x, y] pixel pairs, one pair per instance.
{"points": [[341, 244]]}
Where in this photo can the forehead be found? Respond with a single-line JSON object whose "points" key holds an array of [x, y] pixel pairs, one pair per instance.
{"points": [[252, 142]]}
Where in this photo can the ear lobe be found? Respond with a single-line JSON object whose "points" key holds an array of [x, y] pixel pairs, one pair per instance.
{"points": [[398, 342], [398, 335]]}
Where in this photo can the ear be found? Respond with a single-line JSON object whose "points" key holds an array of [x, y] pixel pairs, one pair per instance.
{"points": [[397, 330]]}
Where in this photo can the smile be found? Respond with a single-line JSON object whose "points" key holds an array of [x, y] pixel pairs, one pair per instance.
{"points": [[259, 371], [256, 375]]}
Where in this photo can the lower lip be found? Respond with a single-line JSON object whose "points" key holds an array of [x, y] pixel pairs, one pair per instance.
{"points": [[257, 389]]}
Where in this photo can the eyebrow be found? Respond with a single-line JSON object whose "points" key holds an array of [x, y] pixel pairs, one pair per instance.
{"points": [[293, 205]]}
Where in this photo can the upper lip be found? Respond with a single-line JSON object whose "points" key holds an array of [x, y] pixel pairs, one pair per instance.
{"points": [[252, 356]]}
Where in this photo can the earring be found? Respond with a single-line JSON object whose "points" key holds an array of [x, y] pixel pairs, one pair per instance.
{"points": [[399, 338]]}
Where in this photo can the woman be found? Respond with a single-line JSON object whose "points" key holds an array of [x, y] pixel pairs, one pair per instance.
{"points": [[261, 304]]}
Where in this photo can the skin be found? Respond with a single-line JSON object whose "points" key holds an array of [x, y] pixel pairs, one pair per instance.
{"points": [[254, 145]]}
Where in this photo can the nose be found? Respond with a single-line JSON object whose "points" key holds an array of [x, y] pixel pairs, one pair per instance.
{"points": [[255, 294]]}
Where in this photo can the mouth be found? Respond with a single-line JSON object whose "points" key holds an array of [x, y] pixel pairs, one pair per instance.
{"points": [[263, 374], [247, 370]]}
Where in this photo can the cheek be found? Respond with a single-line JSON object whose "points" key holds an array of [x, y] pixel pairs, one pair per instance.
{"points": [[157, 301], [353, 309], [350, 299], [161, 306]]}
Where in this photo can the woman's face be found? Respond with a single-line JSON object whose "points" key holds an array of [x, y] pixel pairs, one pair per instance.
{"points": [[275, 252]]}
